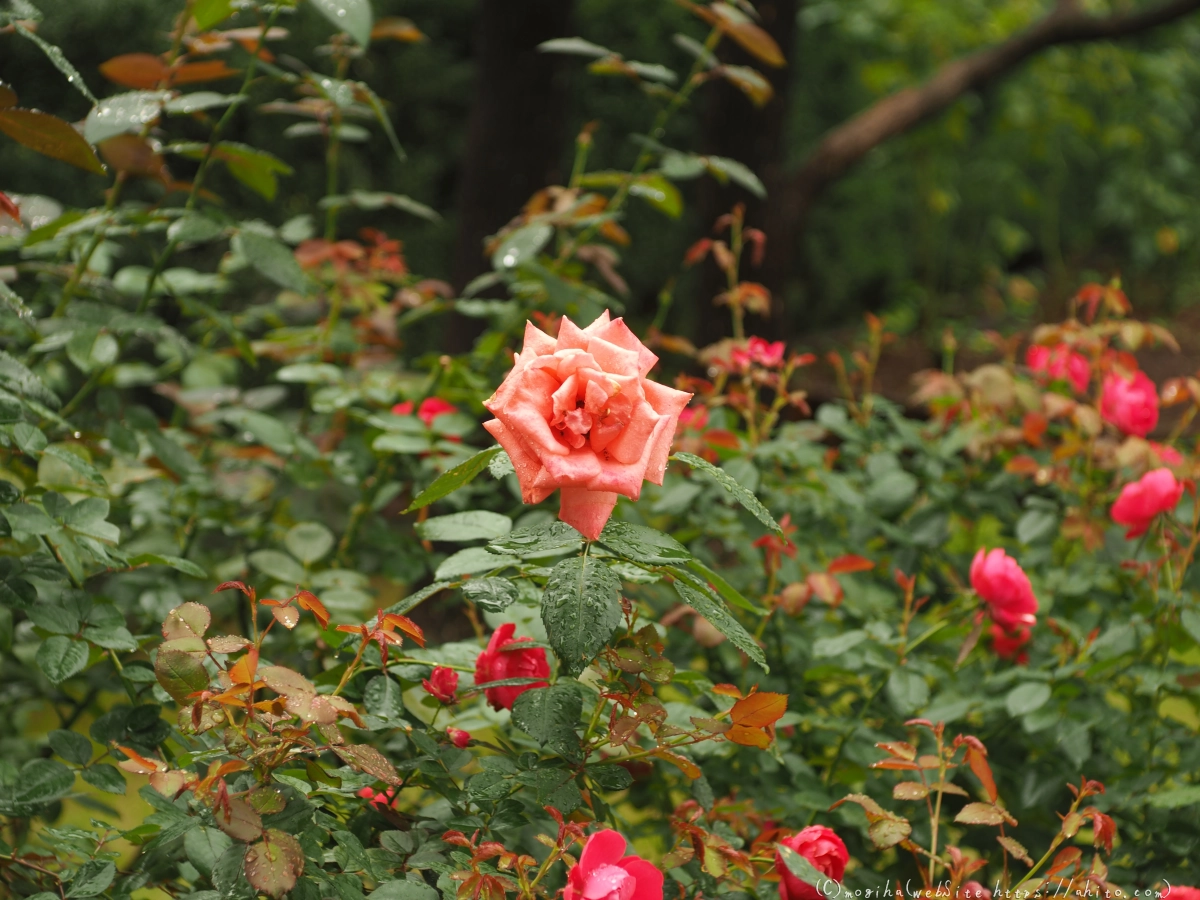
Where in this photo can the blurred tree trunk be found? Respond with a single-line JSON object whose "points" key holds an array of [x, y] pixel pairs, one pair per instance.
{"points": [[515, 130], [735, 127]]}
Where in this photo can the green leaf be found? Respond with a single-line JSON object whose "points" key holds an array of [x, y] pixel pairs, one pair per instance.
{"points": [[111, 637], [274, 863], [198, 101], [397, 442], [204, 847], [490, 594], [60, 62], [54, 619], [412, 601], [642, 544], [739, 492], [195, 228], [907, 691], [581, 610], [20, 379], [836, 645], [610, 777], [383, 698], [27, 519], [278, 565], [404, 890], [309, 541], [659, 193], [272, 259], [374, 200], [575, 46], [739, 173], [208, 13], [40, 782], [892, 492], [105, 777], [180, 674], [178, 563], [123, 114], [71, 746], [92, 879], [172, 455], [705, 601], [723, 587], [351, 16], [1175, 798], [1190, 619], [465, 526], [450, 481], [522, 246], [60, 657], [803, 869], [1026, 698], [549, 715], [471, 561], [64, 454], [554, 538], [50, 136]]}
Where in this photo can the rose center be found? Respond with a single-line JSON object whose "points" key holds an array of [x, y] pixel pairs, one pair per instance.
{"points": [[588, 412], [609, 883]]}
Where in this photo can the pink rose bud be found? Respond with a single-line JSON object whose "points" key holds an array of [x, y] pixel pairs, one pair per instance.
{"points": [[501, 661], [824, 849], [1005, 588], [578, 413], [1140, 501], [442, 684], [458, 737], [1060, 363], [1130, 403], [604, 872]]}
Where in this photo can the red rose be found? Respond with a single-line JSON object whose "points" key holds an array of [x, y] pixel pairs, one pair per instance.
{"points": [[458, 737], [502, 660], [430, 409], [605, 873], [442, 684], [378, 799], [1004, 587], [1130, 403], [1009, 644], [1180, 892], [821, 847], [1060, 363], [1140, 501]]}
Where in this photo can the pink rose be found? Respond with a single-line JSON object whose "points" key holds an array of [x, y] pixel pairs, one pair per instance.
{"points": [[458, 737], [1010, 645], [1060, 363], [503, 659], [820, 846], [1180, 892], [442, 684], [430, 409], [1130, 403], [378, 799], [579, 413], [605, 873], [1167, 454], [1140, 501], [766, 354], [1004, 587]]}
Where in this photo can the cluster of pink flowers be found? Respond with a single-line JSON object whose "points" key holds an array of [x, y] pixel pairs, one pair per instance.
{"points": [[1060, 363], [1131, 404], [430, 409], [758, 351]]}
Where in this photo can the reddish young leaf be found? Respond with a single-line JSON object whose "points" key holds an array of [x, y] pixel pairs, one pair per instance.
{"points": [[727, 690], [977, 760], [685, 765], [8, 97], [135, 155], [49, 136], [140, 71], [273, 864], [1065, 859], [137, 763], [230, 585], [243, 671], [849, 563], [239, 821], [286, 616], [9, 208], [309, 602], [396, 28], [186, 620], [406, 625], [759, 710], [193, 73]]}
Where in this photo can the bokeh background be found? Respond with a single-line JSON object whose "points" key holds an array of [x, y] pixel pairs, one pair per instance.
{"points": [[1079, 164]]}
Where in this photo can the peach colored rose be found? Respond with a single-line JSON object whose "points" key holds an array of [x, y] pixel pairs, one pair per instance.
{"points": [[578, 413]]}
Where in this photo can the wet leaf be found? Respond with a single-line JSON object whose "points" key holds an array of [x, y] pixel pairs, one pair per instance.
{"points": [[49, 136]]}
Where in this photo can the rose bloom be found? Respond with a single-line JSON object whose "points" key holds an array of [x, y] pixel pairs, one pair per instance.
{"points": [[430, 409], [820, 846], [1004, 587], [1060, 363], [605, 873], [458, 737], [973, 890], [1130, 403], [757, 350], [1141, 501], [1010, 644], [1167, 454], [502, 660], [442, 684], [578, 413], [1180, 892]]}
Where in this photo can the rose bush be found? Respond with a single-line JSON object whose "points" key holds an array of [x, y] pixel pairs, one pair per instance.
{"points": [[413, 681]]}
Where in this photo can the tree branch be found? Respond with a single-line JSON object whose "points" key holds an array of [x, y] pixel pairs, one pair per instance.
{"points": [[846, 144]]}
